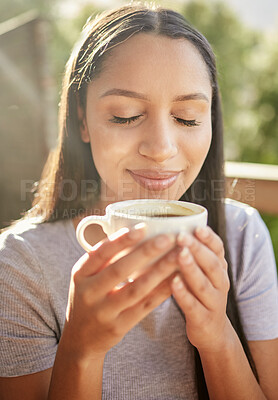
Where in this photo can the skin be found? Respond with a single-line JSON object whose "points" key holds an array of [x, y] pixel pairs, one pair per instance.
{"points": [[192, 267]]}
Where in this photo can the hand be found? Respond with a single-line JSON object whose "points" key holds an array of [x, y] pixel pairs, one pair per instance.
{"points": [[201, 289], [98, 313]]}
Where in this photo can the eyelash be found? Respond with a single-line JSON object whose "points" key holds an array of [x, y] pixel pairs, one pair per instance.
{"points": [[119, 120], [128, 121], [188, 122]]}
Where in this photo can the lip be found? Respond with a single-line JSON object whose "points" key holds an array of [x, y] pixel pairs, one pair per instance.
{"points": [[154, 179]]}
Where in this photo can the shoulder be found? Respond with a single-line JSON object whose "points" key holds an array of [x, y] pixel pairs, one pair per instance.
{"points": [[247, 235], [240, 215], [253, 270], [250, 246], [16, 249], [28, 247], [30, 234], [245, 227], [35, 267]]}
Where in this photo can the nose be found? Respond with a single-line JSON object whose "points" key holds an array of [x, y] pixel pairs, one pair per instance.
{"points": [[159, 142]]}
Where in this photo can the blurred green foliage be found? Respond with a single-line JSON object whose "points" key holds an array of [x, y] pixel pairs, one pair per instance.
{"points": [[271, 222], [247, 62]]}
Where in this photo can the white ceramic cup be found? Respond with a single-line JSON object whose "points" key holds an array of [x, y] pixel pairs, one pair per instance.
{"points": [[126, 214]]}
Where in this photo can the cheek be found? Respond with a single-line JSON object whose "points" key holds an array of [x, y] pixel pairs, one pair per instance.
{"points": [[205, 141], [108, 149], [196, 146]]}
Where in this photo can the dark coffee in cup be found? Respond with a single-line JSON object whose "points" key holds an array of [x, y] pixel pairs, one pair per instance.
{"points": [[167, 215], [158, 210]]}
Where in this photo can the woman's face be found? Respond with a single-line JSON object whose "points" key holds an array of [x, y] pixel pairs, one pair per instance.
{"points": [[148, 118]]}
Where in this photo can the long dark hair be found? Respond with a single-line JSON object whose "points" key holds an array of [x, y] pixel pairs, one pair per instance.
{"points": [[71, 162]]}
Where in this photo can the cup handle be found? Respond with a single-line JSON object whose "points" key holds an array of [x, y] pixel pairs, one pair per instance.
{"points": [[91, 219]]}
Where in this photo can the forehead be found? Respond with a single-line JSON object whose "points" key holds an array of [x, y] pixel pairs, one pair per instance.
{"points": [[152, 62]]}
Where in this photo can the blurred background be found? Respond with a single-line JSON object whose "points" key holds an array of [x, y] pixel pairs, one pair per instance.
{"points": [[36, 38]]}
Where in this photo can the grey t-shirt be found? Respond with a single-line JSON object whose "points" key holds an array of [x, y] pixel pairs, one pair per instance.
{"points": [[155, 359]]}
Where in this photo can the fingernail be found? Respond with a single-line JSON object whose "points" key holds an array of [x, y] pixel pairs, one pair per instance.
{"points": [[177, 282], [185, 256], [184, 239], [202, 232], [164, 240], [184, 253]]}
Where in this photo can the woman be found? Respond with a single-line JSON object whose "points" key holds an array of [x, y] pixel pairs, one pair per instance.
{"points": [[140, 117]]}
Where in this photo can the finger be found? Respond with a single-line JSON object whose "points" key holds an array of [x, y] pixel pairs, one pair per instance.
{"points": [[208, 237], [130, 317], [144, 254], [132, 293], [191, 307], [195, 279], [105, 250], [209, 262], [211, 240]]}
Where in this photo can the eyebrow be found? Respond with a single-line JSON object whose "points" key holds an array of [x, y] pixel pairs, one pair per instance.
{"points": [[135, 95]]}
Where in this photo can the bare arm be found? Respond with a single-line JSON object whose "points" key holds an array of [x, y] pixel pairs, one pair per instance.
{"points": [[73, 378], [265, 355], [69, 379], [27, 387], [229, 376]]}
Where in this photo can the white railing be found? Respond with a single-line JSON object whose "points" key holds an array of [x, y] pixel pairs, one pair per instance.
{"points": [[254, 184]]}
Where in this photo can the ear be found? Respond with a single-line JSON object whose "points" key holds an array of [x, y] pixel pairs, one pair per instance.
{"points": [[84, 133]]}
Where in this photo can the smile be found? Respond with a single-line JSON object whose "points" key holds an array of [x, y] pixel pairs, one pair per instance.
{"points": [[154, 180]]}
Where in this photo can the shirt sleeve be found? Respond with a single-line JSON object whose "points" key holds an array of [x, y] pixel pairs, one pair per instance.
{"points": [[255, 276], [28, 341]]}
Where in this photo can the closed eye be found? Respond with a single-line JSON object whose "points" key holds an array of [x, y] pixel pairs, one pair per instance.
{"points": [[128, 121], [120, 120], [187, 122]]}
